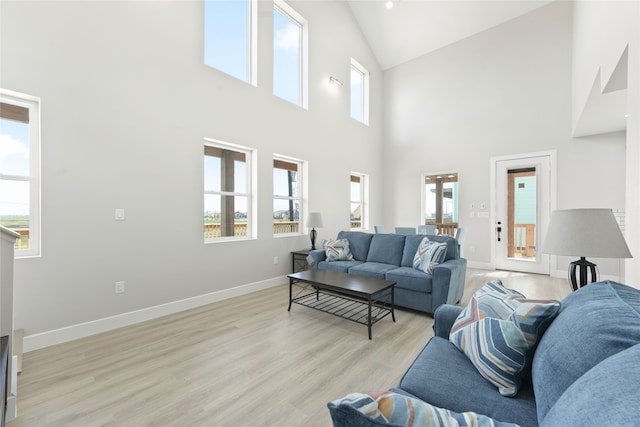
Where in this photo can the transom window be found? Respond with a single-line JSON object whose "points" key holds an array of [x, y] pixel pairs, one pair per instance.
{"points": [[228, 202], [359, 92], [20, 169], [289, 54], [230, 37], [287, 195]]}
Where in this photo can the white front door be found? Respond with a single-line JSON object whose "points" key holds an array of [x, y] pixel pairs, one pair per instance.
{"points": [[522, 209]]}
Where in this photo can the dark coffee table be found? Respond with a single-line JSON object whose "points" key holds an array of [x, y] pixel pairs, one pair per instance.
{"points": [[360, 299]]}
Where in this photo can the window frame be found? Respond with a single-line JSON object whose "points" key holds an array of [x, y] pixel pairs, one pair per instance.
{"points": [[445, 177], [33, 104], [251, 74], [364, 98], [301, 198], [250, 194], [364, 200], [303, 61]]}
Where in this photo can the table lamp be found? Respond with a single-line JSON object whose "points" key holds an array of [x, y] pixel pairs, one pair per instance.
{"points": [[584, 233], [314, 220]]}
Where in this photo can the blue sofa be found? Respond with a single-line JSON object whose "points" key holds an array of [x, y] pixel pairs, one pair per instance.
{"points": [[585, 370], [390, 257]]}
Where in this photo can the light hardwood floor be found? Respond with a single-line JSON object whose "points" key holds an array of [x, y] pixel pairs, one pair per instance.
{"points": [[240, 362]]}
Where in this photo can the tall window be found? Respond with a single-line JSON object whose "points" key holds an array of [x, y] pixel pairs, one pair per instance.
{"points": [[440, 205], [287, 195], [228, 204], [230, 37], [359, 201], [289, 54], [359, 92], [20, 169]]}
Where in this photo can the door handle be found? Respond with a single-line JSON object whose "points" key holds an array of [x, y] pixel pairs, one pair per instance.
{"points": [[499, 230]]}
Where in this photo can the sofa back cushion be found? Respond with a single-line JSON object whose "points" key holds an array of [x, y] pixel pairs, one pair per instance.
{"points": [[607, 395], [594, 323], [411, 244], [386, 248], [358, 243]]}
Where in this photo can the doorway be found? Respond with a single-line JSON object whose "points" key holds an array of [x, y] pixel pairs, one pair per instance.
{"points": [[522, 188]]}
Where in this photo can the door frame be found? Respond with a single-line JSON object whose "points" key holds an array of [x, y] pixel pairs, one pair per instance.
{"points": [[553, 184]]}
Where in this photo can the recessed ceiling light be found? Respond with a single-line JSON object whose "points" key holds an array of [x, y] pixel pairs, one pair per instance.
{"points": [[389, 4]]}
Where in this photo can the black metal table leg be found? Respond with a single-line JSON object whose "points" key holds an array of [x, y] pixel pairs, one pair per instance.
{"points": [[369, 322], [290, 293], [393, 315]]}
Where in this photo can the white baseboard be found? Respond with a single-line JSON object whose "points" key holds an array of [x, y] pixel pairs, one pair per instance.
{"points": [[480, 265], [562, 274], [81, 330]]}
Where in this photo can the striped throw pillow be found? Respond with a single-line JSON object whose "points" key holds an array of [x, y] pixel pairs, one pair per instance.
{"points": [[393, 409], [337, 250], [498, 332], [428, 255]]}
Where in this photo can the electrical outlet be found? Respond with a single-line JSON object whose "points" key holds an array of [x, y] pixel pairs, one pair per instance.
{"points": [[119, 214], [275, 260], [119, 287], [472, 248]]}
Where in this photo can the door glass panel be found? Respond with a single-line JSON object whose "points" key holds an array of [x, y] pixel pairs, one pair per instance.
{"points": [[521, 227]]}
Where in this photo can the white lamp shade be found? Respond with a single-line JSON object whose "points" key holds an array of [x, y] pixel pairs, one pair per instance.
{"points": [[314, 220], [585, 233]]}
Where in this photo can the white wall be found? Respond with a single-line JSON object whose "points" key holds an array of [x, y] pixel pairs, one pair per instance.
{"points": [[601, 32], [126, 103], [505, 91]]}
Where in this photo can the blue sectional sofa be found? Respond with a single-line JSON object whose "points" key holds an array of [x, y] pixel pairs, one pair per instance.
{"points": [[390, 257], [585, 370]]}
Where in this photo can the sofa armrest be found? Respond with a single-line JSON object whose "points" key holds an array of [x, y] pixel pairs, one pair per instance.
{"points": [[315, 257], [448, 282], [443, 319]]}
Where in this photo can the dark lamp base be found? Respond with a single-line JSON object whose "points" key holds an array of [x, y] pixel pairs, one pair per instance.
{"points": [[312, 235], [582, 264]]}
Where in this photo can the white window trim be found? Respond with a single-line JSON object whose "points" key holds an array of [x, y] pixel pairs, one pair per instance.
{"points": [[365, 91], [423, 202], [251, 160], [33, 104], [364, 196], [252, 40], [302, 191], [291, 13]]}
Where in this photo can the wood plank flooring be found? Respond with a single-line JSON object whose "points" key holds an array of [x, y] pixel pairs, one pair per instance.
{"points": [[241, 362]]}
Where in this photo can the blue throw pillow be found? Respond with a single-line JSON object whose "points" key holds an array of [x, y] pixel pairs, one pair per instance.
{"points": [[498, 332], [393, 409]]}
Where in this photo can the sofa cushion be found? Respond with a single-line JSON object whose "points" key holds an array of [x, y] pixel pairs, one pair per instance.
{"points": [[607, 395], [411, 244], [498, 332], [386, 248], [594, 323], [376, 270], [337, 250], [393, 409], [358, 243], [428, 255], [443, 376], [341, 266], [410, 278]]}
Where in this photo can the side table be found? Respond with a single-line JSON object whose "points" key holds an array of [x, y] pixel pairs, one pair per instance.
{"points": [[299, 260]]}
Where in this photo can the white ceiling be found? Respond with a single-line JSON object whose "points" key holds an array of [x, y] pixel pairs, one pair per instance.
{"points": [[412, 28]]}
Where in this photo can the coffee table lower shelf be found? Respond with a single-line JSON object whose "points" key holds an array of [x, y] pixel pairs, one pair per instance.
{"points": [[360, 310]]}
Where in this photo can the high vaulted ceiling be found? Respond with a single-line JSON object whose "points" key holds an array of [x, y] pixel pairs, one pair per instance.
{"points": [[412, 28]]}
